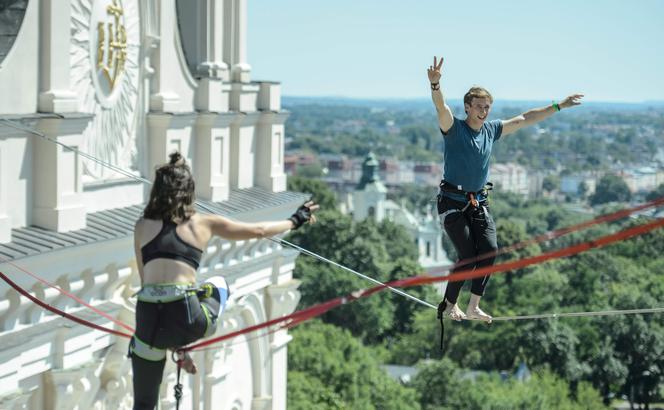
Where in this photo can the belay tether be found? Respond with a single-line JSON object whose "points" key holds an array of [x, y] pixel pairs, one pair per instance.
{"points": [[441, 310]]}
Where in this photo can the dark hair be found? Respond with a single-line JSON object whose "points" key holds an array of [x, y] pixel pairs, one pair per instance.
{"points": [[172, 194]]}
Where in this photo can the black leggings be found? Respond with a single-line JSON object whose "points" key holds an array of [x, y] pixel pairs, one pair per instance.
{"points": [[473, 233], [165, 326]]}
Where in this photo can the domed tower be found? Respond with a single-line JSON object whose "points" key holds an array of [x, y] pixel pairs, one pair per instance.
{"points": [[370, 194]]}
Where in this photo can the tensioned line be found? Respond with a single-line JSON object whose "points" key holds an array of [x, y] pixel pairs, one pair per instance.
{"points": [[208, 209], [581, 314]]}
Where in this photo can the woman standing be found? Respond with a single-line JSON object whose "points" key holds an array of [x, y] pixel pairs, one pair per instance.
{"points": [[169, 239]]}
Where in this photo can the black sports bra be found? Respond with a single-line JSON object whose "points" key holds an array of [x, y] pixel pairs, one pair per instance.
{"points": [[167, 244]]}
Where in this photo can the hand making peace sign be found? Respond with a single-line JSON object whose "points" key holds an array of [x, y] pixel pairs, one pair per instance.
{"points": [[434, 71]]}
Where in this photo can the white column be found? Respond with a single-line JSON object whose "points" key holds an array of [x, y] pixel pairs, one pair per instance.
{"points": [[210, 39], [168, 133], [163, 98], [212, 93], [269, 166], [242, 151], [5, 220], [57, 186], [212, 146], [55, 40], [235, 40], [269, 96], [281, 300]]}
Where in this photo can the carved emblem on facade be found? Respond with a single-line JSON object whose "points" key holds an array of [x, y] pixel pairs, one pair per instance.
{"points": [[105, 73], [112, 44]]}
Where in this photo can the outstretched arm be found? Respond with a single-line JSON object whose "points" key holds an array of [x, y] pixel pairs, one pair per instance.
{"points": [[536, 115], [235, 230], [445, 118]]}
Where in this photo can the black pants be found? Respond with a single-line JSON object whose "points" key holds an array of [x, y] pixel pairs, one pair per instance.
{"points": [[473, 233], [165, 326]]}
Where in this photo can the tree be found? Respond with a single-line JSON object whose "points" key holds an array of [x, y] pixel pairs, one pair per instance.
{"points": [[550, 183], [438, 383], [442, 385], [306, 391], [367, 248], [405, 309], [341, 372], [656, 193], [319, 190], [610, 188], [309, 171]]}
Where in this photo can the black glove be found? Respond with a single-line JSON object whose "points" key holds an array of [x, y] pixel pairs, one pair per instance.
{"points": [[301, 216]]}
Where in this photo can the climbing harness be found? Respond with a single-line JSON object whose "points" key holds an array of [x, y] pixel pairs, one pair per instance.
{"points": [[471, 196]]}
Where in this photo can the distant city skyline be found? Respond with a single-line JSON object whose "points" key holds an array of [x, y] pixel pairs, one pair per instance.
{"points": [[610, 50]]}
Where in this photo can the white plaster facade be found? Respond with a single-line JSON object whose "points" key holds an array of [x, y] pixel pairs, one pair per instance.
{"points": [[369, 200], [509, 177], [179, 80]]}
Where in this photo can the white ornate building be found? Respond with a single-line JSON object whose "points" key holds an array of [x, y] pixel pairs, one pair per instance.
{"points": [[129, 81], [369, 200]]}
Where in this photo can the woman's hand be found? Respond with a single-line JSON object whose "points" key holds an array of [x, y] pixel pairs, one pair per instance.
{"points": [[304, 214]]}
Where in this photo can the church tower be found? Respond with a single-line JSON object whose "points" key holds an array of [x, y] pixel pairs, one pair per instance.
{"points": [[370, 194]]}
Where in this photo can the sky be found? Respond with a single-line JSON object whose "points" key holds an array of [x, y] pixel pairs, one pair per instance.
{"points": [[609, 50]]}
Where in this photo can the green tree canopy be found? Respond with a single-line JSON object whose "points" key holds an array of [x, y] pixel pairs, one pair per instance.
{"points": [[610, 188], [319, 191], [332, 369]]}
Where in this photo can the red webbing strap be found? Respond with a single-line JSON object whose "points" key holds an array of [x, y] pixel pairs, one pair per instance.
{"points": [[552, 235], [286, 321], [60, 312], [317, 310], [521, 263]]}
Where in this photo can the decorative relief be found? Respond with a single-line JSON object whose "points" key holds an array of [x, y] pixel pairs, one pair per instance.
{"points": [[19, 401], [105, 69], [72, 388], [282, 299], [112, 47]]}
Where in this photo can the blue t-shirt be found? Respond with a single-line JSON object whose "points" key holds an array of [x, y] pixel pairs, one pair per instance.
{"points": [[467, 154]]}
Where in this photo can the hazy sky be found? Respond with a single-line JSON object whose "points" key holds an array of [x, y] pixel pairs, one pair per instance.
{"points": [[611, 50]]}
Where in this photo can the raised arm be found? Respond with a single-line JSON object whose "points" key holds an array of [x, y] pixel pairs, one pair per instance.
{"points": [[445, 118], [536, 115], [234, 230]]}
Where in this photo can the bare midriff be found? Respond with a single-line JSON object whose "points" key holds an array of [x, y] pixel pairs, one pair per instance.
{"points": [[168, 271]]}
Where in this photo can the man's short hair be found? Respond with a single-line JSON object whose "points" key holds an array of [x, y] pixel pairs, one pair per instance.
{"points": [[477, 92]]}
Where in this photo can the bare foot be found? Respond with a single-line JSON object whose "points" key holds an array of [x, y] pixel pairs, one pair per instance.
{"points": [[187, 363], [454, 313], [477, 314]]}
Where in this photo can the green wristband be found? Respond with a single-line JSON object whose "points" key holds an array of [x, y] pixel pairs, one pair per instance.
{"points": [[555, 105]]}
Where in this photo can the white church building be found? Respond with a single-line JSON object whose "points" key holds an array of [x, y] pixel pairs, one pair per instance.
{"points": [[369, 200], [128, 82]]}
